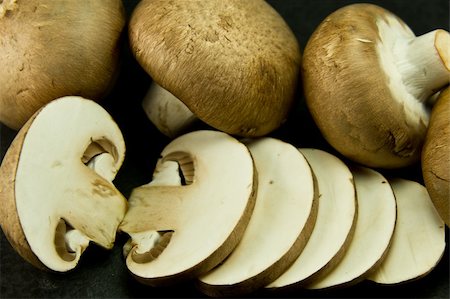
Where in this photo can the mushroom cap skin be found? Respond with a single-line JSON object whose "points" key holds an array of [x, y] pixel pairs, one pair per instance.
{"points": [[436, 156], [53, 201], [52, 49], [194, 211], [418, 242], [287, 201], [234, 64], [353, 85]]}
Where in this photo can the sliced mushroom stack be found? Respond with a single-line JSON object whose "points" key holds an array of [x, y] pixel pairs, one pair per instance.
{"points": [[194, 211], [232, 64], [280, 225], [53, 200], [51, 49], [367, 80]]}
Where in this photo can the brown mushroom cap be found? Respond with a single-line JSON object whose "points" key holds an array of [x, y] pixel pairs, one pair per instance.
{"points": [[52, 49], [362, 94], [234, 63], [436, 156]]}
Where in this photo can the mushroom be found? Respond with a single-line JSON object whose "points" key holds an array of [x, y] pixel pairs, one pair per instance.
{"points": [[436, 156], [53, 202], [367, 79], [52, 49], [375, 224], [193, 212], [418, 242], [280, 225], [233, 64], [335, 224]]}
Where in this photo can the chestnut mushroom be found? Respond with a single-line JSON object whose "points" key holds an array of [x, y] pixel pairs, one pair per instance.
{"points": [[418, 242], [232, 64], [367, 79], [51, 49], [194, 211], [335, 223], [52, 200], [436, 156], [280, 225]]}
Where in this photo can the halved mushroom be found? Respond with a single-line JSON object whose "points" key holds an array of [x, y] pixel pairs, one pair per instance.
{"points": [[280, 226], [233, 64], [51, 49], [194, 211], [53, 202], [335, 224], [375, 224], [367, 79], [419, 237], [436, 156]]}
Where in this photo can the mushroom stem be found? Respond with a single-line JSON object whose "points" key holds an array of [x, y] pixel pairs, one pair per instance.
{"points": [[424, 63], [170, 115]]}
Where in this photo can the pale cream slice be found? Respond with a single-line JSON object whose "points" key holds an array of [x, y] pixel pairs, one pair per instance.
{"points": [[375, 225], [280, 226], [334, 225], [419, 238]]}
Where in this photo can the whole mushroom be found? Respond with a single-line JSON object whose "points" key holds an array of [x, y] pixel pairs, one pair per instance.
{"points": [[232, 64], [436, 156], [367, 80], [51, 49]]}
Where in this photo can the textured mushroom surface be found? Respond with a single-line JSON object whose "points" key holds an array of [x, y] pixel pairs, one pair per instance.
{"points": [[335, 223], [194, 211], [418, 242], [367, 78], [233, 63], [280, 225], [436, 156], [51, 49], [53, 202]]}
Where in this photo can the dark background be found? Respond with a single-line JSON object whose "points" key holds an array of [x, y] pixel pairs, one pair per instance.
{"points": [[103, 274]]}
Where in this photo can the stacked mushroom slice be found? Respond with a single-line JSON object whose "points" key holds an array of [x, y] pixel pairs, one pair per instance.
{"points": [[194, 211], [335, 222], [53, 199], [280, 225]]}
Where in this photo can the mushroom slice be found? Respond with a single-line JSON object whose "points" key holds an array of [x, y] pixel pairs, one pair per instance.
{"points": [[280, 226], [194, 211], [377, 118], [373, 232], [418, 242], [233, 64], [53, 200], [335, 222], [436, 156]]}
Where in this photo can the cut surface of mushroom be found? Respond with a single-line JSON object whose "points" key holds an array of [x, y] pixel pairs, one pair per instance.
{"points": [[436, 156], [234, 64], [377, 118], [280, 225], [74, 43], [335, 223], [419, 237], [202, 194], [374, 228], [53, 203]]}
